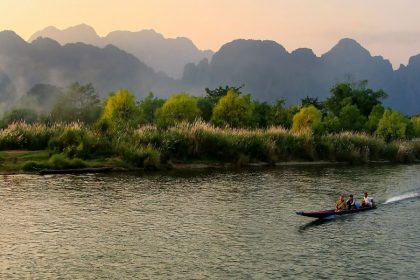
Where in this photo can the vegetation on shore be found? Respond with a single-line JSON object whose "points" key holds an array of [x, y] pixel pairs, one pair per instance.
{"points": [[224, 126]]}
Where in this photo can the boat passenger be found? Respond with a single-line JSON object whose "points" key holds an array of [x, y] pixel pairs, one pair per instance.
{"points": [[367, 201], [351, 204], [340, 204]]}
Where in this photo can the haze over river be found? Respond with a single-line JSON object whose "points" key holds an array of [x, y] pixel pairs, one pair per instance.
{"points": [[210, 225]]}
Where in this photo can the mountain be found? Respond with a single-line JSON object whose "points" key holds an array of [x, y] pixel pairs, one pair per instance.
{"points": [[266, 68], [22, 65], [269, 72], [162, 54]]}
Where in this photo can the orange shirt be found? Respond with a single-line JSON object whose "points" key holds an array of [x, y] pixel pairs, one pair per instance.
{"points": [[340, 205]]}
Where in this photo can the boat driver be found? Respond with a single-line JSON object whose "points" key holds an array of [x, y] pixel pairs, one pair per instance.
{"points": [[367, 201]]}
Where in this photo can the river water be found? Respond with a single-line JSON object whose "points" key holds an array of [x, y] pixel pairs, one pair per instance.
{"points": [[210, 225]]}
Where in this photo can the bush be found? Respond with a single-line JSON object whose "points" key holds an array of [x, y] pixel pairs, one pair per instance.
{"points": [[146, 157], [61, 161], [20, 135], [34, 166], [79, 142]]}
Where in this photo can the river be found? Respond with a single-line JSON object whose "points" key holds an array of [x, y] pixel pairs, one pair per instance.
{"points": [[216, 224]]}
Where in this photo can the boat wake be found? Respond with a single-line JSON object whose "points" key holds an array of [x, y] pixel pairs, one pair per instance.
{"points": [[404, 196]]}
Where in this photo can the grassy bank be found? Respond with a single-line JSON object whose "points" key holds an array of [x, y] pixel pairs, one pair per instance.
{"points": [[32, 147]]}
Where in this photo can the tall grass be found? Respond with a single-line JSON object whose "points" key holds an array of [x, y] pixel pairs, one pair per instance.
{"points": [[150, 146], [200, 140]]}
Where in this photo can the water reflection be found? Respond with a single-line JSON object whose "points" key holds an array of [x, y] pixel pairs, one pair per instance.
{"points": [[207, 224]]}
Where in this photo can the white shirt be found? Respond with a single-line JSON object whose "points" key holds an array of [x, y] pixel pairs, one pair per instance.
{"points": [[368, 200]]}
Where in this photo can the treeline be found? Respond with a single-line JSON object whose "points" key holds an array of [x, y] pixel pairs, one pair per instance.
{"points": [[224, 125], [351, 107]]}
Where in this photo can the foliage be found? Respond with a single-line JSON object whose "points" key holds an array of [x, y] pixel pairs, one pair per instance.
{"points": [[233, 110], [180, 107], [20, 115], [78, 103], [416, 125], [363, 98], [308, 118], [120, 112], [148, 107], [41, 98], [20, 135], [206, 108], [214, 95], [308, 101], [374, 117], [61, 161], [351, 119], [392, 126], [262, 114]]}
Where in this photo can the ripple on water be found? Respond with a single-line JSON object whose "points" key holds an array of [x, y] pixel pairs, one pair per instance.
{"points": [[215, 224]]}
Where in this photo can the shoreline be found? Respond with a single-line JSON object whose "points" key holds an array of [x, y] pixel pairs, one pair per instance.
{"points": [[193, 166]]}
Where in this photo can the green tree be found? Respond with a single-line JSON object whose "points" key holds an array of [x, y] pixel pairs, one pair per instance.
{"points": [[374, 117], [307, 101], [262, 114], [41, 97], [416, 125], [331, 123], [282, 116], [308, 118], [148, 107], [233, 110], [20, 115], [180, 107], [363, 98], [214, 95], [206, 108], [392, 126], [351, 119], [120, 111], [79, 103]]}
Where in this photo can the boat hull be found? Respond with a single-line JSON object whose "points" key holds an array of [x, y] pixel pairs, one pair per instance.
{"points": [[325, 214]]}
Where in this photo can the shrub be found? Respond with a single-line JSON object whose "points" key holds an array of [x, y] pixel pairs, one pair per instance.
{"points": [[61, 161]]}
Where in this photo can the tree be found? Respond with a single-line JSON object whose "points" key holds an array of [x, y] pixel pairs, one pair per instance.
{"points": [[120, 111], [233, 110], [374, 117], [148, 107], [214, 95], [351, 119], [262, 114], [206, 108], [392, 126], [308, 118], [307, 101], [280, 115], [416, 125], [41, 97], [20, 115], [344, 94], [180, 107], [79, 103]]}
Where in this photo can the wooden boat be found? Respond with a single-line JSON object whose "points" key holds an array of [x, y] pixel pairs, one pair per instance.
{"points": [[76, 170], [325, 214]]}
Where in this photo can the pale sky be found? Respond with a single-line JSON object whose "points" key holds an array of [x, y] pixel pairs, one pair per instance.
{"points": [[385, 27]]}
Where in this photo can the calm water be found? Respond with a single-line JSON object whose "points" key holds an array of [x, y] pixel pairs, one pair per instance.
{"points": [[211, 225]]}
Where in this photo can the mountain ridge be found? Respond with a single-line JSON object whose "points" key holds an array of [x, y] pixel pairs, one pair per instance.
{"points": [[168, 55]]}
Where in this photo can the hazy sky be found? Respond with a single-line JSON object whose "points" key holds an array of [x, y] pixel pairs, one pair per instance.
{"points": [[387, 27]]}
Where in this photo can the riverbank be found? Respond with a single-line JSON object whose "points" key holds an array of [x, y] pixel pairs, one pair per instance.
{"points": [[32, 148], [14, 162]]}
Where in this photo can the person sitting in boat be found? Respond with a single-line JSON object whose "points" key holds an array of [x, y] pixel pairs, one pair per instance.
{"points": [[351, 204], [367, 201], [340, 204]]}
